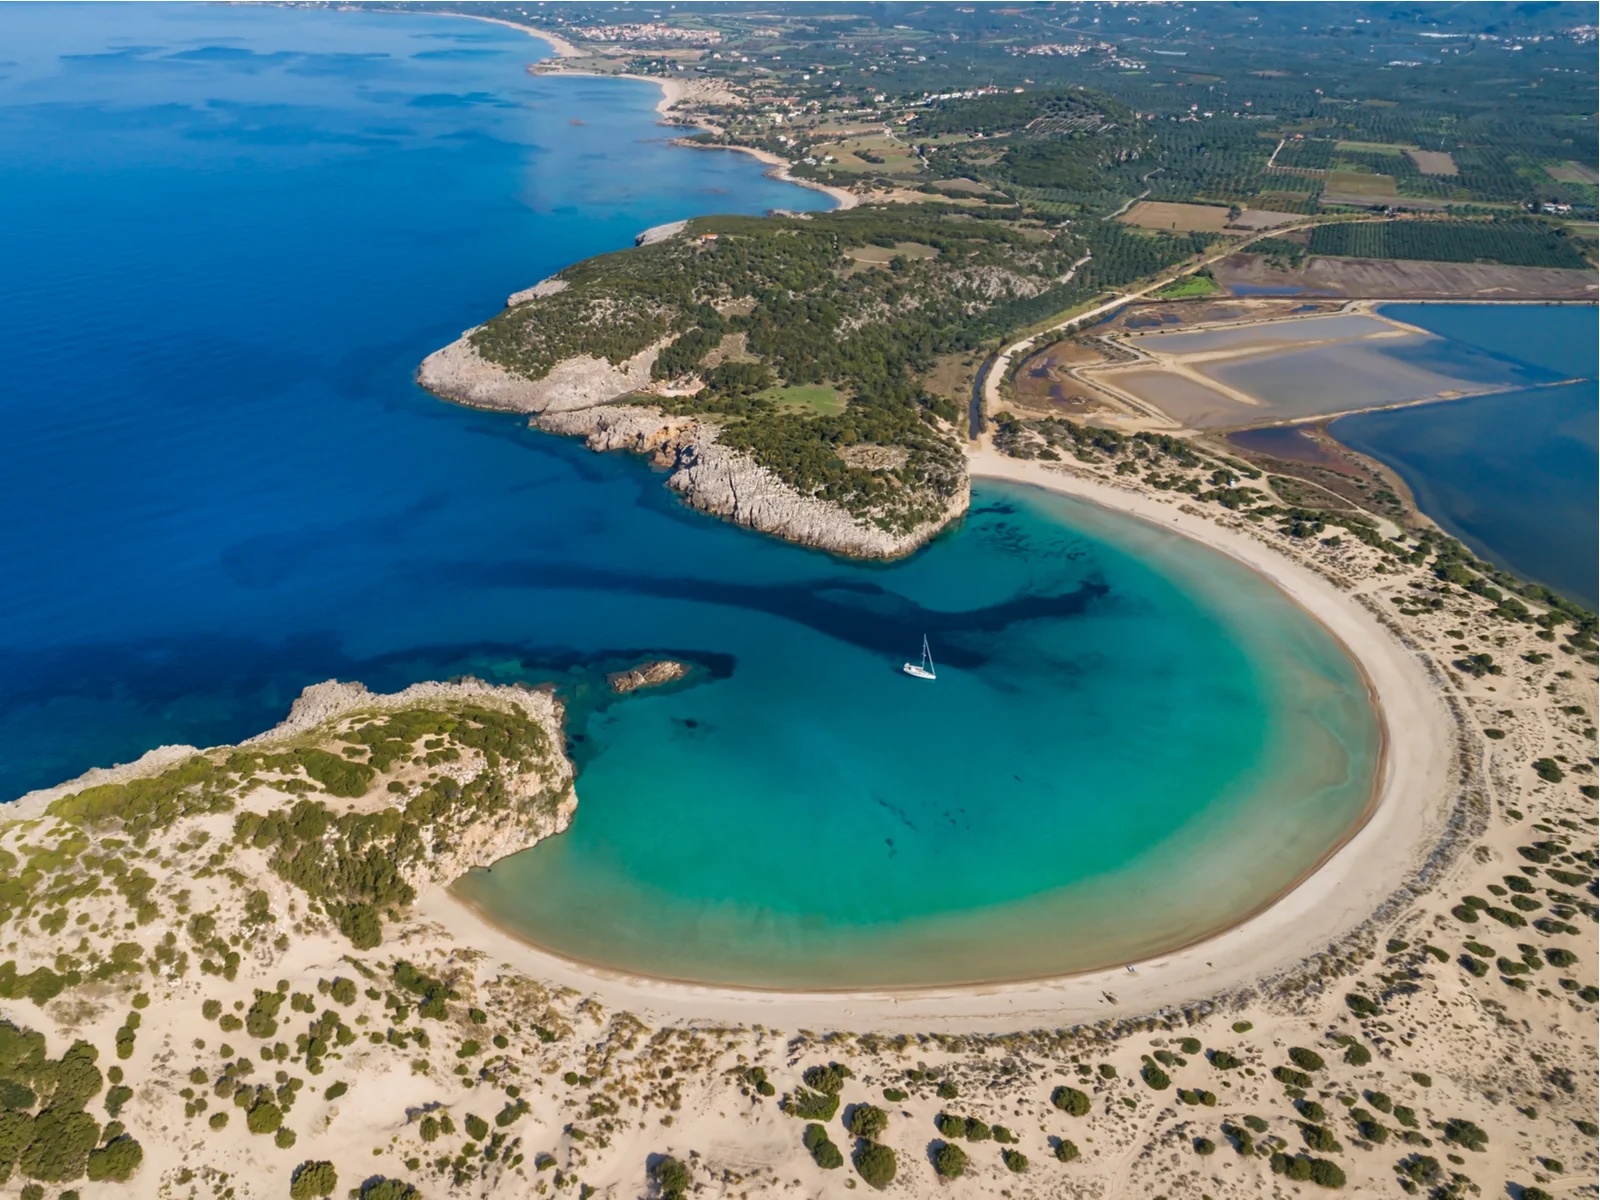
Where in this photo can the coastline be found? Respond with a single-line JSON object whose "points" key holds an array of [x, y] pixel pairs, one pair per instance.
{"points": [[1379, 854]]}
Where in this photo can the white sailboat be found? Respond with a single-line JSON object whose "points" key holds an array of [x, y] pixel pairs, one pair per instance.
{"points": [[924, 669]]}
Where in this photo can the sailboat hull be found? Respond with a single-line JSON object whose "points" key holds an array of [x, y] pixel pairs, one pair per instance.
{"points": [[919, 671]]}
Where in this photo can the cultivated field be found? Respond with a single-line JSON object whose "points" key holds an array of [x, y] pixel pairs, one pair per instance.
{"points": [[1199, 218], [1186, 218], [1357, 183], [1433, 162], [1572, 172], [1398, 279]]}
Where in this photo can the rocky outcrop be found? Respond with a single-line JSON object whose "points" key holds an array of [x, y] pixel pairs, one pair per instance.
{"points": [[636, 428], [460, 373], [717, 479], [545, 287], [660, 233], [651, 674]]}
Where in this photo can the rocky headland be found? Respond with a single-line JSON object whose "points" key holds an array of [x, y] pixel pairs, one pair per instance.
{"points": [[578, 397]]}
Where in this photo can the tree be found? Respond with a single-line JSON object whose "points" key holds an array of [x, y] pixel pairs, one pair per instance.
{"points": [[1016, 1161], [950, 1161], [875, 1163], [379, 1188], [1066, 1151], [264, 1117], [312, 1179]]}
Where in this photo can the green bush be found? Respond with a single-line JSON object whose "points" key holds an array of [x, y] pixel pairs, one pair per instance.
{"points": [[116, 1161], [343, 990], [1326, 1174], [673, 1178], [285, 1138], [477, 1127], [1357, 1055], [1290, 1077], [950, 1161], [1015, 1160], [264, 1117], [1223, 1061], [1071, 1101], [811, 1106], [312, 1179], [1463, 1132], [977, 1130], [1204, 1146], [1319, 1137], [875, 1163], [1155, 1077], [1065, 1151], [828, 1080], [62, 1139], [379, 1188], [867, 1121], [1558, 957], [1361, 1005], [1307, 1060]]}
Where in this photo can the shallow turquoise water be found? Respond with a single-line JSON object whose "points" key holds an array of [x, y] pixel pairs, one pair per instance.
{"points": [[1172, 746], [237, 230]]}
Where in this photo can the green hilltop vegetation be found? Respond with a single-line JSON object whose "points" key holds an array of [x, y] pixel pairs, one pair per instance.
{"points": [[807, 302]]}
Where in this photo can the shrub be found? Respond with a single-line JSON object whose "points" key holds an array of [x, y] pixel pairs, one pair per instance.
{"points": [[811, 1106], [827, 1156], [1204, 1146], [950, 1125], [1361, 1005], [1016, 1161], [978, 1131], [477, 1127], [218, 1120], [1308, 1060], [264, 1117], [950, 1161], [828, 1080], [311, 1179], [285, 1138], [379, 1188], [62, 1139], [867, 1121], [673, 1178], [1380, 1101], [1289, 1077], [893, 1095], [335, 1090], [1243, 1026], [343, 990], [1155, 1077], [1319, 1137], [1357, 1055], [1066, 1151], [1326, 1174], [1558, 957], [116, 1161], [1223, 1061], [1405, 1116], [948, 1090], [1071, 1101], [1464, 1133], [1004, 1136], [875, 1163]]}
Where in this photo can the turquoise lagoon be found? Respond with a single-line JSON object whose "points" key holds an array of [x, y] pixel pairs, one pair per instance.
{"points": [[233, 234]]}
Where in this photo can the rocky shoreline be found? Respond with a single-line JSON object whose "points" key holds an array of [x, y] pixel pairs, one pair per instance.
{"points": [[575, 399]]}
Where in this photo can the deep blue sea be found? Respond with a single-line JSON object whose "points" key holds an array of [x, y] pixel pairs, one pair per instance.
{"points": [[231, 234], [1513, 474]]}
